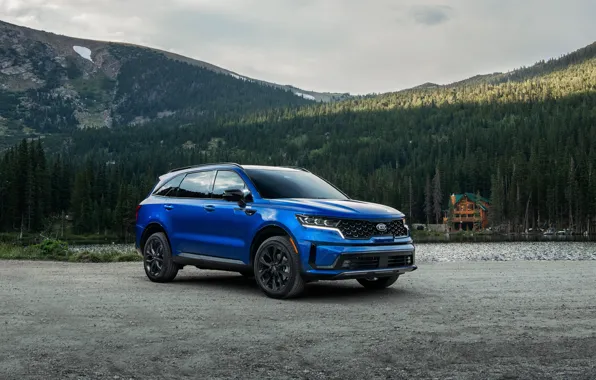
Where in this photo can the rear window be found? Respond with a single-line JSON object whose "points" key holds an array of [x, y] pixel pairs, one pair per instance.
{"points": [[169, 188]]}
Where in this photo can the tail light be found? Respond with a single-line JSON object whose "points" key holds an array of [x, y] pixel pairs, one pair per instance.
{"points": [[137, 213]]}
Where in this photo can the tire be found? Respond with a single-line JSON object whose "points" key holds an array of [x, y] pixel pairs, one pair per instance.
{"points": [[277, 269], [157, 259], [378, 283]]}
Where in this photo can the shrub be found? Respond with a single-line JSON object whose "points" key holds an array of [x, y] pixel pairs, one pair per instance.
{"points": [[53, 248]]}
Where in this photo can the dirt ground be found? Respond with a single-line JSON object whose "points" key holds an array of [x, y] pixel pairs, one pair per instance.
{"points": [[477, 320]]}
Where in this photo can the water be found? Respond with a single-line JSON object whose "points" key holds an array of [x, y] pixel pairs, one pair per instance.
{"points": [[446, 252], [446, 238], [103, 248], [505, 251]]}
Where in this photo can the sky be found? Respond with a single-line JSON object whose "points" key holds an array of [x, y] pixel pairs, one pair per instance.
{"points": [[355, 46]]}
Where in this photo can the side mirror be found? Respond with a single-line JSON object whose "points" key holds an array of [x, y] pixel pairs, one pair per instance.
{"points": [[237, 195]]}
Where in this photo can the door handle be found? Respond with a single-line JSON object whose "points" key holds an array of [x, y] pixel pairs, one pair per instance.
{"points": [[168, 207], [209, 208]]}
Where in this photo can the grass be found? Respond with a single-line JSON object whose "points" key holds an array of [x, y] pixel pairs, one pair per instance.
{"points": [[31, 238], [62, 253]]}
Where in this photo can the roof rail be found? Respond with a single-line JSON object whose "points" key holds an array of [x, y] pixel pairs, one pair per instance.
{"points": [[201, 165], [297, 168]]}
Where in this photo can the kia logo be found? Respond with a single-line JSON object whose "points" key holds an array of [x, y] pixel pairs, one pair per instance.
{"points": [[382, 227]]}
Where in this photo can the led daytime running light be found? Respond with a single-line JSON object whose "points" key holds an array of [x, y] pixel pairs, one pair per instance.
{"points": [[317, 221]]}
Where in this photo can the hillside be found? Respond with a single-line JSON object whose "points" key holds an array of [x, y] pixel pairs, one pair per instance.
{"points": [[51, 83], [540, 68]]}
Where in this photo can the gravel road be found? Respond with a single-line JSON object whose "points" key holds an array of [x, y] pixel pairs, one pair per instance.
{"points": [[474, 320]]}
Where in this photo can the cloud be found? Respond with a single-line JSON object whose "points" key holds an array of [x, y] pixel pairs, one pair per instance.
{"points": [[330, 45], [431, 15]]}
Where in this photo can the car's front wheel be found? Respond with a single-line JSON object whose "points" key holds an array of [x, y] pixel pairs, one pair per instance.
{"points": [[157, 259], [378, 283], [277, 268]]}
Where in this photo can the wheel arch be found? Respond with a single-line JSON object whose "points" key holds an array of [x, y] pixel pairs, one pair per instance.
{"points": [[264, 233], [149, 230]]}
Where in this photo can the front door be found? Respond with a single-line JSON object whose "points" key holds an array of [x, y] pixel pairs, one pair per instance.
{"points": [[231, 226]]}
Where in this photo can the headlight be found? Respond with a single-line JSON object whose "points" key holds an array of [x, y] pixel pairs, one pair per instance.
{"points": [[317, 221]]}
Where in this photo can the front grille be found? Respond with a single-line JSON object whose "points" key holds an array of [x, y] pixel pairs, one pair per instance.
{"points": [[374, 261], [365, 229]]}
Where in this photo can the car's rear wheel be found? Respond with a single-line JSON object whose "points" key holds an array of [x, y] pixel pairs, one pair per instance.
{"points": [[157, 259], [378, 283], [277, 268]]}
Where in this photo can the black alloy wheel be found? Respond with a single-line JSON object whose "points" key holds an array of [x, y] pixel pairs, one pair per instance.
{"points": [[274, 269], [154, 257], [277, 268], [157, 259]]}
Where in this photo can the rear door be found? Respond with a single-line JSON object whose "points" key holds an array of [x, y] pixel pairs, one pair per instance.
{"points": [[189, 216]]}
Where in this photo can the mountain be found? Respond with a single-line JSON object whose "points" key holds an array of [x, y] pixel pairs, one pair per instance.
{"points": [[426, 85], [51, 83], [539, 69]]}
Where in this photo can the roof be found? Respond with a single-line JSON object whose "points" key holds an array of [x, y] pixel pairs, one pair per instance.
{"points": [[472, 197]]}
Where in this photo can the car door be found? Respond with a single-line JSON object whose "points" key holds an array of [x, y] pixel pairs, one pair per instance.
{"points": [[231, 226], [189, 215]]}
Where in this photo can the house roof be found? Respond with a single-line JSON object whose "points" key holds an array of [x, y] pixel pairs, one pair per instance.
{"points": [[474, 198]]}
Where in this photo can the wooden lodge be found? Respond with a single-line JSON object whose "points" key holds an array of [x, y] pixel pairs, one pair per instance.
{"points": [[468, 212]]}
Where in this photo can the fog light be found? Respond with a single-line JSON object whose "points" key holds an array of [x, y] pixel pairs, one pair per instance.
{"points": [[346, 264], [409, 260]]}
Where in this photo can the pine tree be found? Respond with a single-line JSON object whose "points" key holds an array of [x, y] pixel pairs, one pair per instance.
{"points": [[496, 210], [428, 200], [437, 195]]}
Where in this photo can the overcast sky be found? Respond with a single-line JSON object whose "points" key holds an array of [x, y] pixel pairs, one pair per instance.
{"points": [[357, 46]]}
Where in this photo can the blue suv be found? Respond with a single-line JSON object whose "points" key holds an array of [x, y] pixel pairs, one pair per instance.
{"points": [[283, 226]]}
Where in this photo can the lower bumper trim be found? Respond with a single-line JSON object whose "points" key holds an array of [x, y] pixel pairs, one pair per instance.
{"points": [[372, 273]]}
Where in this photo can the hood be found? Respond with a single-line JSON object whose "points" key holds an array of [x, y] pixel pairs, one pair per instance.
{"points": [[339, 208]]}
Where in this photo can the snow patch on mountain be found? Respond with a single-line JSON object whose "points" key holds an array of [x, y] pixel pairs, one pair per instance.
{"points": [[83, 52], [305, 96]]}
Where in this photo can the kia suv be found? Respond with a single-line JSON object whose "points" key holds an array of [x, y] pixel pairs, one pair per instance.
{"points": [[283, 226]]}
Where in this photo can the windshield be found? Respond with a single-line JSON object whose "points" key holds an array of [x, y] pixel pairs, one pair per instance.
{"points": [[273, 184]]}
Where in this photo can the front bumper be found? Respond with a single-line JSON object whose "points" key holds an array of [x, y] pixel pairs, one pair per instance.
{"points": [[352, 261]]}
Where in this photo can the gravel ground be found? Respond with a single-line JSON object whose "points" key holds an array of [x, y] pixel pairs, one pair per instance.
{"points": [[475, 320]]}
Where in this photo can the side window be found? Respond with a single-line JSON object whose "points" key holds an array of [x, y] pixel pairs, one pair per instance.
{"points": [[226, 180], [168, 189], [196, 185]]}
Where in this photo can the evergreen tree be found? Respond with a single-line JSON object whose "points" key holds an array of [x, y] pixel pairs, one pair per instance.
{"points": [[428, 200], [437, 195]]}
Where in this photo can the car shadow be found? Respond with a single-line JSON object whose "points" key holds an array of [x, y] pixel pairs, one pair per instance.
{"points": [[350, 291], [316, 292], [233, 282]]}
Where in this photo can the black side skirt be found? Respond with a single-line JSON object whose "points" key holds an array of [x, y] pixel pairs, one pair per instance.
{"points": [[211, 262]]}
